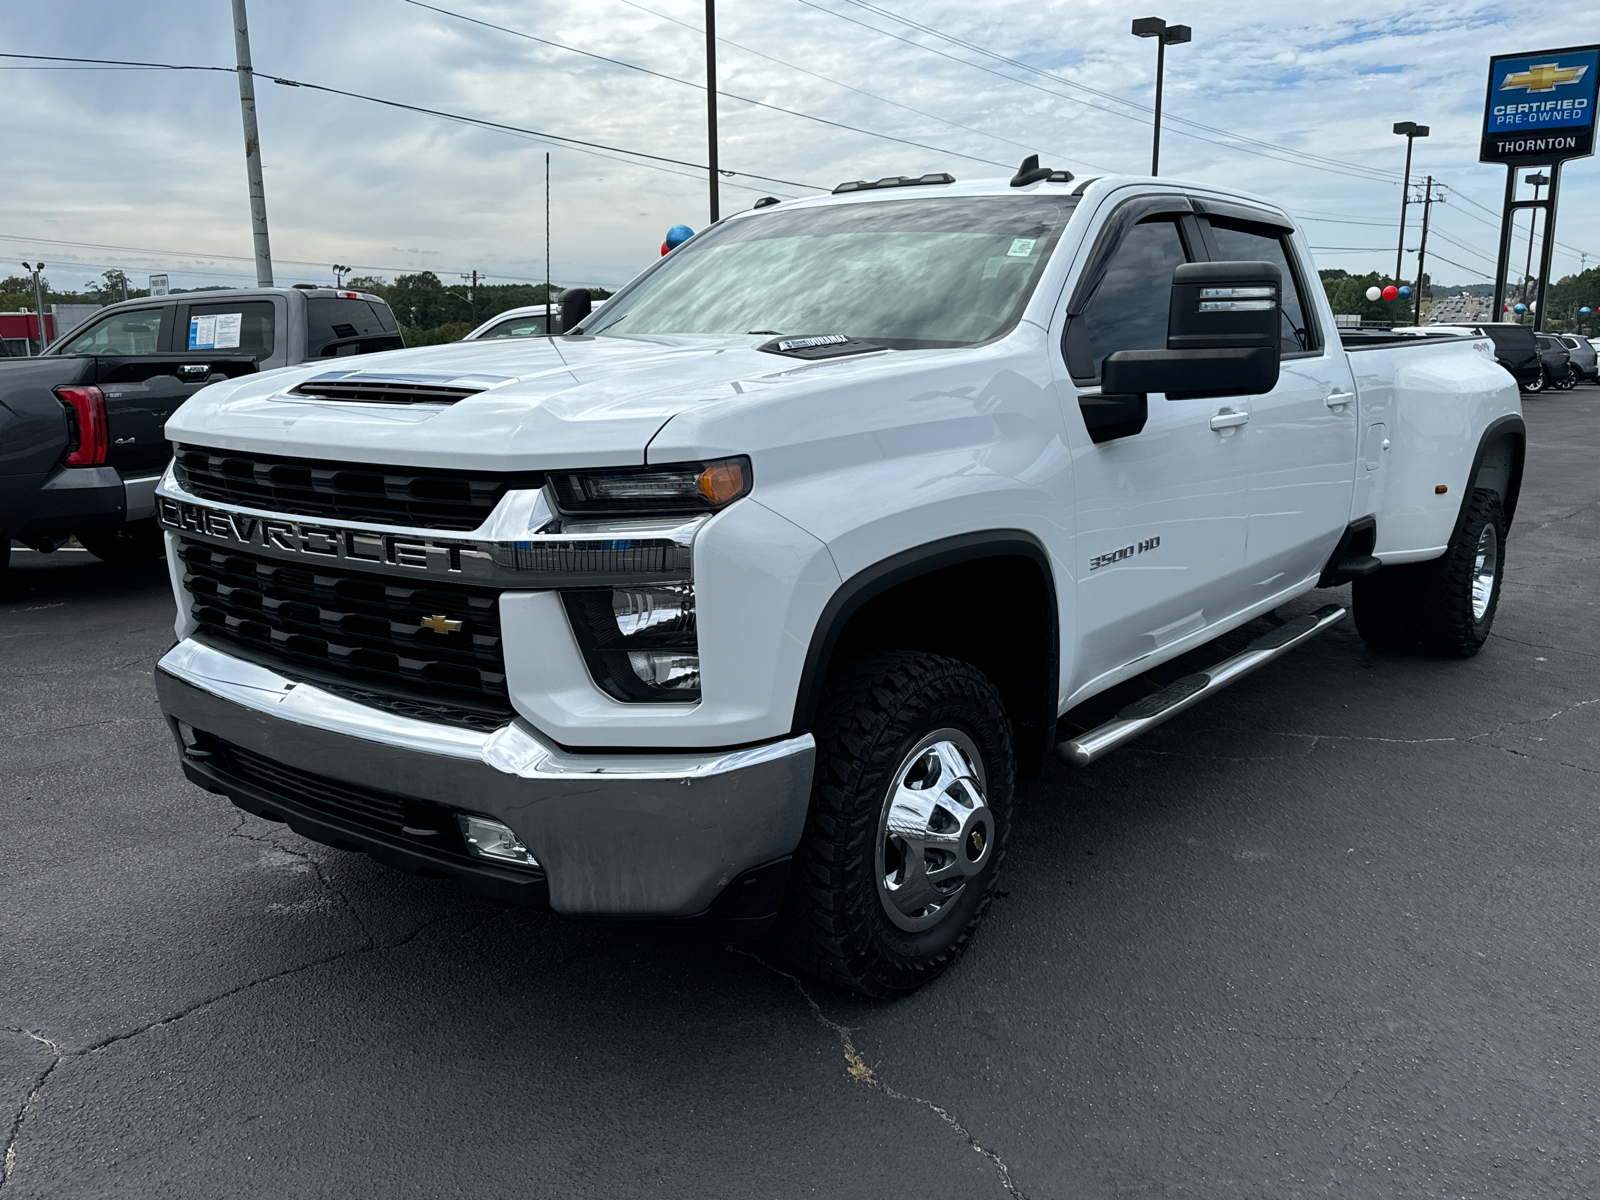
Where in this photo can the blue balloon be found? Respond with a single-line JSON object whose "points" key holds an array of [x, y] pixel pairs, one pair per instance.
{"points": [[1520, 309], [678, 235], [1584, 310], [1405, 293]]}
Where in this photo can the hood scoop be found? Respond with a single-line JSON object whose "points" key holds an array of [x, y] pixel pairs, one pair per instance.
{"points": [[394, 388], [828, 345]]}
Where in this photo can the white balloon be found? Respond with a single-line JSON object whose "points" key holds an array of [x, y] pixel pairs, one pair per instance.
{"points": [[1374, 293]]}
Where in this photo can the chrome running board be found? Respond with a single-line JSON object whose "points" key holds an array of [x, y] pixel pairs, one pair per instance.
{"points": [[1184, 693]]}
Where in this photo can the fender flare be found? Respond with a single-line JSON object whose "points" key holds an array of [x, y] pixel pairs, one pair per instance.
{"points": [[1500, 427], [879, 578]]}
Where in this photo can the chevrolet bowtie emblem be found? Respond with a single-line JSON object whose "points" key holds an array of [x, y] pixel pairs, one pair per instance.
{"points": [[440, 623], [1543, 77]]}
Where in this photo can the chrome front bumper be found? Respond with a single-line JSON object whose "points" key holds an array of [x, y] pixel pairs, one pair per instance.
{"points": [[648, 834]]}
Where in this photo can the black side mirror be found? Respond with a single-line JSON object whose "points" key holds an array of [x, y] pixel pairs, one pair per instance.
{"points": [[575, 306], [1223, 336], [1223, 339]]}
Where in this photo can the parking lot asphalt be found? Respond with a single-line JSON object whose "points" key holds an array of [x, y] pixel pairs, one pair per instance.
{"points": [[1333, 933]]}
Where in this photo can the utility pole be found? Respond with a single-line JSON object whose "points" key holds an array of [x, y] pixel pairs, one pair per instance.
{"points": [[1422, 252], [472, 293], [549, 313], [1412, 132], [711, 103], [38, 303], [1165, 35], [252, 145]]}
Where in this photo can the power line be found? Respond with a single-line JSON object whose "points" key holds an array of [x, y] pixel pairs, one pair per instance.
{"points": [[701, 87], [481, 122], [860, 91], [1302, 158]]}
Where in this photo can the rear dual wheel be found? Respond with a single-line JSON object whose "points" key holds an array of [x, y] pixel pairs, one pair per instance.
{"points": [[1448, 605], [910, 804]]}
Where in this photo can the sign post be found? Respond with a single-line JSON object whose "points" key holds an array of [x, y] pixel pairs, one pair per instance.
{"points": [[158, 285], [1539, 112]]}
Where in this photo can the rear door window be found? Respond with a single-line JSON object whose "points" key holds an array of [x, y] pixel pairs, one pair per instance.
{"points": [[336, 326], [132, 331], [1244, 241], [247, 327]]}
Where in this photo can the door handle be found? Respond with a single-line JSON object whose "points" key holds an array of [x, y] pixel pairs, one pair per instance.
{"points": [[1339, 399], [1228, 419]]}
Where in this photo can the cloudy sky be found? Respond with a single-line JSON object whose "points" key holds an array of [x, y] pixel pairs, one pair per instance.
{"points": [[143, 169]]}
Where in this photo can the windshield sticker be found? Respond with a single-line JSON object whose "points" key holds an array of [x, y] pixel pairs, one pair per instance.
{"points": [[228, 331], [1021, 247], [202, 333]]}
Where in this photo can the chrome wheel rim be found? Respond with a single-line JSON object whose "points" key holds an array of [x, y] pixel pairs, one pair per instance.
{"points": [[1485, 565], [935, 832]]}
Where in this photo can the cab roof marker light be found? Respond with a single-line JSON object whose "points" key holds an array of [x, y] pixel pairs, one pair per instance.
{"points": [[865, 185]]}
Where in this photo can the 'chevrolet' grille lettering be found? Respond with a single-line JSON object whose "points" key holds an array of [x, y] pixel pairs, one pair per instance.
{"points": [[309, 540]]}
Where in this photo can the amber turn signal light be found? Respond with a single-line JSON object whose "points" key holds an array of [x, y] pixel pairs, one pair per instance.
{"points": [[722, 482]]}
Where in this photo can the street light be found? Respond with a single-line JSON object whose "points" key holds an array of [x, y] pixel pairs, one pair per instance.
{"points": [[1165, 35], [38, 300], [1538, 182], [1412, 131], [339, 272]]}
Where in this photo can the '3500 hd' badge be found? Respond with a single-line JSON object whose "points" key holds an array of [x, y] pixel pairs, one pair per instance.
{"points": [[1121, 555]]}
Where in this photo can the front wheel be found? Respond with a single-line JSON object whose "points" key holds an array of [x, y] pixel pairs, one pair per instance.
{"points": [[910, 805], [128, 545]]}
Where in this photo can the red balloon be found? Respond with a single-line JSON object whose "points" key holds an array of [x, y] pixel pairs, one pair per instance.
{"points": [[665, 247], [1391, 292]]}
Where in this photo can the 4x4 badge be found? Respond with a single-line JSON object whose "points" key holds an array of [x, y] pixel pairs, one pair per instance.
{"points": [[440, 623]]}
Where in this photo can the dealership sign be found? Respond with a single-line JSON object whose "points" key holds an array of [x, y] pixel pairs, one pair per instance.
{"points": [[1541, 106]]}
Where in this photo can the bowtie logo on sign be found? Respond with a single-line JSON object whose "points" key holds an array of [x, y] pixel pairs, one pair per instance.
{"points": [[1545, 77]]}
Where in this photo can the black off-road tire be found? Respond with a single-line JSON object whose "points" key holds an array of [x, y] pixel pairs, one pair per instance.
{"points": [[129, 545], [1442, 609], [1382, 604], [1537, 385], [833, 923]]}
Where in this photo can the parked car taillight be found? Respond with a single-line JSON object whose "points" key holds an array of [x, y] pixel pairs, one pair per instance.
{"points": [[86, 425]]}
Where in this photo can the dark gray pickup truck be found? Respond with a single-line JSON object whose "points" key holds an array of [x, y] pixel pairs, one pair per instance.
{"points": [[81, 441]]}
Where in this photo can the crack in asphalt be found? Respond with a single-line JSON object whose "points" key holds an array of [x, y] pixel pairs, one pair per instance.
{"points": [[61, 1054], [858, 1069], [316, 869]]}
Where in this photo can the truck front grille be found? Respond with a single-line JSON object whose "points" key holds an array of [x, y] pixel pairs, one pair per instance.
{"points": [[426, 644], [426, 499]]}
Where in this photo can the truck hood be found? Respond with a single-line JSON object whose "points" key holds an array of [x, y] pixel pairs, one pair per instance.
{"points": [[545, 402]]}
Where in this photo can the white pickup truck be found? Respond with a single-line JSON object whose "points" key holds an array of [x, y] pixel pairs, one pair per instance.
{"points": [[743, 605]]}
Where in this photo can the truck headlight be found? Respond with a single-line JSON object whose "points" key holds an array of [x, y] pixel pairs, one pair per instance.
{"points": [[640, 642], [699, 487]]}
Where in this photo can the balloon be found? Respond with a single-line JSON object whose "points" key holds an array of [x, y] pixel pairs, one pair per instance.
{"points": [[1373, 293], [665, 247], [1391, 292], [1405, 293], [676, 236], [1520, 309], [1584, 310]]}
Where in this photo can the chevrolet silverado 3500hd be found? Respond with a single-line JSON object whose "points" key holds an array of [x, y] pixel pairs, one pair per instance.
{"points": [[746, 602]]}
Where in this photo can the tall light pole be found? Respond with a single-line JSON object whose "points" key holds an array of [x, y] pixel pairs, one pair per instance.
{"points": [[1412, 132], [252, 145], [339, 272], [1165, 35], [711, 103], [1538, 182]]}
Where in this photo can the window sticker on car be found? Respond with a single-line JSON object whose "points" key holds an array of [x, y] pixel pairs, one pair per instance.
{"points": [[202, 333], [228, 331], [1021, 247]]}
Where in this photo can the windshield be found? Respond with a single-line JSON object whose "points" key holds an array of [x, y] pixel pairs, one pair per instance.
{"points": [[907, 274], [529, 326]]}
